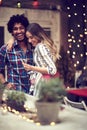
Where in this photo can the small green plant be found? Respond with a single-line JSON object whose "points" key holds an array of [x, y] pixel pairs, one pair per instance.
{"points": [[16, 100], [2, 88], [51, 90]]}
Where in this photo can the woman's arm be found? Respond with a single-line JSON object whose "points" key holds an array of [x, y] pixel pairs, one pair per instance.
{"points": [[10, 43], [47, 59], [2, 78], [28, 67], [48, 66]]}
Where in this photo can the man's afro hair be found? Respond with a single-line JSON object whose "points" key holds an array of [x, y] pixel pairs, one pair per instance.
{"points": [[17, 19]]}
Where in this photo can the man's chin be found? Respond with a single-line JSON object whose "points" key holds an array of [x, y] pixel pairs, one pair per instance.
{"points": [[20, 40]]}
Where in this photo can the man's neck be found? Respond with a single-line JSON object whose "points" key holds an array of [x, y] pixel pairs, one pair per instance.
{"points": [[23, 45]]}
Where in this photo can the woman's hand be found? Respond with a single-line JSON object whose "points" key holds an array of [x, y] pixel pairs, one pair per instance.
{"points": [[10, 44], [26, 66], [10, 86]]}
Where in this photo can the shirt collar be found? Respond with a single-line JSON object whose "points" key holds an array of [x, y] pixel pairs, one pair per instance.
{"points": [[15, 43]]}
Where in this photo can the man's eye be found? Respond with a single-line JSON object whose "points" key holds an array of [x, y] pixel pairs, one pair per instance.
{"points": [[21, 28], [15, 28]]}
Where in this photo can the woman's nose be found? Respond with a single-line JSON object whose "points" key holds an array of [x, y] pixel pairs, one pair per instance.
{"points": [[29, 40]]}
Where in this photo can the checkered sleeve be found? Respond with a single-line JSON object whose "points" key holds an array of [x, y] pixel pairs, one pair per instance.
{"points": [[2, 58]]}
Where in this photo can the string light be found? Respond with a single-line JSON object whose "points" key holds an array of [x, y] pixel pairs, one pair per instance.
{"points": [[75, 14], [69, 15], [68, 52], [81, 55], [74, 4], [83, 6], [77, 62], [84, 43], [68, 8], [18, 4], [74, 41], [71, 30], [77, 31], [74, 52], [84, 14], [73, 56], [85, 20], [78, 25]]}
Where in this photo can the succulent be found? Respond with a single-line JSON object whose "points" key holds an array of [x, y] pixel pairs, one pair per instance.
{"points": [[51, 90], [16, 100], [2, 88]]}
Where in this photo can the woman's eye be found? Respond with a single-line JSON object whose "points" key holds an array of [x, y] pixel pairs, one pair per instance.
{"points": [[31, 37]]}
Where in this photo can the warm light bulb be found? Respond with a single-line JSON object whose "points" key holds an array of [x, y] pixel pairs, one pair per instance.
{"points": [[74, 52], [74, 41], [79, 40], [68, 52], [74, 4], [71, 30], [75, 14], [81, 35], [73, 56], [70, 46], [68, 8], [75, 65], [78, 25], [84, 67], [69, 15], [81, 55], [69, 40], [77, 62], [85, 33], [18, 4], [83, 6], [84, 43], [69, 35], [78, 45], [84, 14], [72, 37], [85, 20]]}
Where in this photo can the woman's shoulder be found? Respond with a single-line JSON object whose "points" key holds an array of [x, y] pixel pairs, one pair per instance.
{"points": [[41, 46]]}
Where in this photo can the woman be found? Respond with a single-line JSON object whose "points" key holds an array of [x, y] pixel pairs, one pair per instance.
{"points": [[45, 55]]}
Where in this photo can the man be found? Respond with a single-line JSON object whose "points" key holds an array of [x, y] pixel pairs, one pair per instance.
{"points": [[17, 76]]}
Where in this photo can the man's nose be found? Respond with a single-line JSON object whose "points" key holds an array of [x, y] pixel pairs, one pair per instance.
{"points": [[19, 30]]}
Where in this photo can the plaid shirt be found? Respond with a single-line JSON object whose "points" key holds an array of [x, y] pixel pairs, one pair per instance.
{"points": [[16, 73]]}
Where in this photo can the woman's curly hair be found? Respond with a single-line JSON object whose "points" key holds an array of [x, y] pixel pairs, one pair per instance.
{"points": [[17, 19]]}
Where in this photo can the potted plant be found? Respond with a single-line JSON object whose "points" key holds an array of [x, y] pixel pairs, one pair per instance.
{"points": [[50, 95], [16, 100]]}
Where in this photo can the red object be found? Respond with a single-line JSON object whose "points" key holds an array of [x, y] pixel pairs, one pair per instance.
{"points": [[48, 76], [79, 91], [0, 2], [35, 3]]}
